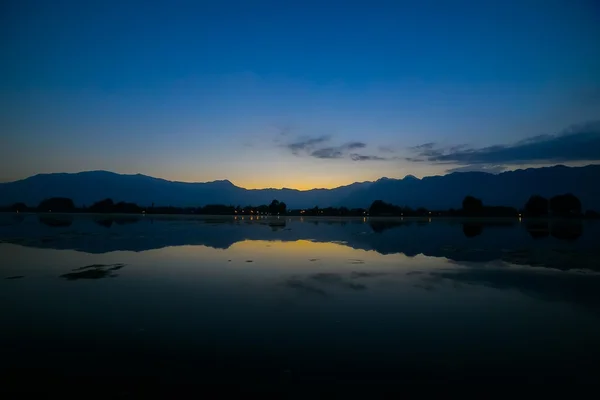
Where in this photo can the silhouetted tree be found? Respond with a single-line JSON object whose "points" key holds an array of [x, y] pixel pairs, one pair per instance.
{"points": [[536, 206], [565, 205], [380, 207], [282, 208], [472, 205], [102, 206], [125, 208], [57, 204], [274, 207]]}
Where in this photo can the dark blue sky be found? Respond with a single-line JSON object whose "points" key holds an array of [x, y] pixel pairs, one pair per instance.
{"points": [[299, 93]]}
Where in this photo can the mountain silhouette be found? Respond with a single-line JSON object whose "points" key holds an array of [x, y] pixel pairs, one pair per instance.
{"points": [[511, 188]]}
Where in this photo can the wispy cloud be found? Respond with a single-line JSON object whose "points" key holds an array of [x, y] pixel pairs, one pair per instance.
{"points": [[319, 147], [424, 146], [492, 169], [307, 144], [328, 152], [577, 143], [359, 157], [337, 151], [354, 145]]}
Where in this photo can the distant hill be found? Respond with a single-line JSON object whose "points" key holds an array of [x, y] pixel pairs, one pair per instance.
{"points": [[511, 188]]}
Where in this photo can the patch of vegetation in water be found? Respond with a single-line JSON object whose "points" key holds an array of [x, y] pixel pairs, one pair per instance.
{"points": [[94, 271]]}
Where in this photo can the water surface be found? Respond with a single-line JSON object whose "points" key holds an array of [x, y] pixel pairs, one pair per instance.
{"points": [[281, 301]]}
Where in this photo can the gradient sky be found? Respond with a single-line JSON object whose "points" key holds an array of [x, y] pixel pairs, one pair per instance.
{"points": [[297, 94]]}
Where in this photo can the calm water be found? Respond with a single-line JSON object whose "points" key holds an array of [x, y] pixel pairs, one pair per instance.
{"points": [[290, 301]]}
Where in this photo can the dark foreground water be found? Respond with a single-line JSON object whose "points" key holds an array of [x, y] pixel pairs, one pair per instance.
{"points": [[279, 302]]}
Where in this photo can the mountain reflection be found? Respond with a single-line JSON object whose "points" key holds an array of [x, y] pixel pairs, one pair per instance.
{"points": [[557, 244]]}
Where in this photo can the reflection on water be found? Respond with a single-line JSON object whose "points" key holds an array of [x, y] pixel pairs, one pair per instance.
{"points": [[94, 271], [240, 300], [472, 229], [563, 244], [565, 230], [57, 222]]}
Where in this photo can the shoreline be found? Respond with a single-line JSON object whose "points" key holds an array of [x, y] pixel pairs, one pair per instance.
{"points": [[302, 218]]}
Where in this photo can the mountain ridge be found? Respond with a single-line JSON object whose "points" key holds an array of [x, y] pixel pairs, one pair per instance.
{"points": [[511, 188]]}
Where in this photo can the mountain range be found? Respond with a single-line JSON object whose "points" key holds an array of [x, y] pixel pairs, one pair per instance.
{"points": [[511, 188]]}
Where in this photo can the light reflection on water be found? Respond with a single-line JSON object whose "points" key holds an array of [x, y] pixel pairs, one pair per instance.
{"points": [[332, 299]]}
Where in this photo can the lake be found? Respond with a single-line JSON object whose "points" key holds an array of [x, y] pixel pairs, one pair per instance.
{"points": [[279, 302]]}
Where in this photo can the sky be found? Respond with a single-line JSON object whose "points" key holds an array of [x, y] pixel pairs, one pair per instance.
{"points": [[297, 94]]}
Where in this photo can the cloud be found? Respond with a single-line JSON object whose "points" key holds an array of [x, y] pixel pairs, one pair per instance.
{"points": [[424, 146], [317, 147], [577, 143], [307, 144], [359, 157], [328, 152], [354, 145], [492, 169], [338, 151]]}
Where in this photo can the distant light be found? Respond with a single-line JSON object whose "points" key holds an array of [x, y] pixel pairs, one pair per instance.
{"points": [[429, 212], [49, 210], [17, 211], [519, 215]]}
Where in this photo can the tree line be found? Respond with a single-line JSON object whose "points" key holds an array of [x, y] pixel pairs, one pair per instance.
{"points": [[108, 206], [565, 205]]}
